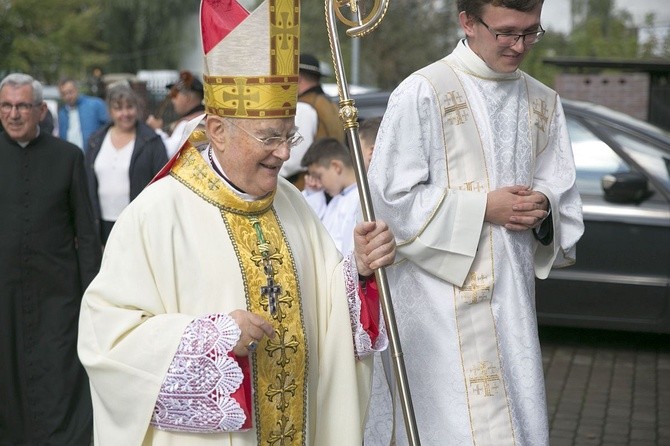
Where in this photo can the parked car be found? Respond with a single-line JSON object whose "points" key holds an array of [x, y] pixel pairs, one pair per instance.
{"points": [[330, 89], [622, 276], [51, 96], [621, 280], [369, 104]]}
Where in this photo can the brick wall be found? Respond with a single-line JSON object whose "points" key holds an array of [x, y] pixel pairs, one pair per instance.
{"points": [[625, 92]]}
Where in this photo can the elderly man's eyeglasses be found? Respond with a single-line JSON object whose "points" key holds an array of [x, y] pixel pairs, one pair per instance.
{"points": [[274, 142], [510, 39], [22, 107]]}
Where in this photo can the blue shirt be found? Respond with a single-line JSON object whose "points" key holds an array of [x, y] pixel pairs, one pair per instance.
{"points": [[92, 115]]}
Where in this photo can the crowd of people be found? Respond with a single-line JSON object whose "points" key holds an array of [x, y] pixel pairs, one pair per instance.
{"points": [[211, 279]]}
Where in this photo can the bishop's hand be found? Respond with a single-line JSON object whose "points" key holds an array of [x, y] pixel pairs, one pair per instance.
{"points": [[253, 328], [374, 246]]}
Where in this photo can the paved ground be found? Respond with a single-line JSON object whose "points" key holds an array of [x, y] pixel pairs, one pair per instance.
{"points": [[607, 388]]}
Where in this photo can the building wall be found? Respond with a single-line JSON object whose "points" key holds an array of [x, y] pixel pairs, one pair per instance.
{"points": [[625, 92]]}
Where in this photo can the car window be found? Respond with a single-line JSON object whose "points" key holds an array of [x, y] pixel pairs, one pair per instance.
{"points": [[593, 158], [646, 155]]}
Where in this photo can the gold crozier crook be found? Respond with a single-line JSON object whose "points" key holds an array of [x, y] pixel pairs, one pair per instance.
{"points": [[366, 21]]}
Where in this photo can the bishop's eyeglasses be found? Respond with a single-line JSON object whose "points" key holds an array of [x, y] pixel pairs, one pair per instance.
{"points": [[510, 39], [274, 142]]}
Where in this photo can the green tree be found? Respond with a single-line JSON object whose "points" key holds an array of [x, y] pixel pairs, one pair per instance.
{"points": [[313, 34], [147, 34], [550, 46], [600, 31], [665, 49], [50, 38], [648, 48], [53, 38], [412, 34]]}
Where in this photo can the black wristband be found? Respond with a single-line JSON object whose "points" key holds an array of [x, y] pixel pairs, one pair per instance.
{"points": [[545, 232]]}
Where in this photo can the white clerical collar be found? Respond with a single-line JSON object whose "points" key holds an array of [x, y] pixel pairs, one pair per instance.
{"points": [[213, 161], [23, 144], [470, 62]]}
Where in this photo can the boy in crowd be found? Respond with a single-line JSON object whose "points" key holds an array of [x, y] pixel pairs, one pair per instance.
{"points": [[367, 132], [328, 161]]}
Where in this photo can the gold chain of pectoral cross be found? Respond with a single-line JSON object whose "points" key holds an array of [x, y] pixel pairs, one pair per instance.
{"points": [[271, 290]]}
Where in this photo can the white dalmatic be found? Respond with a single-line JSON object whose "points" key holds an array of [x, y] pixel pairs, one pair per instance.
{"points": [[463, 290]]}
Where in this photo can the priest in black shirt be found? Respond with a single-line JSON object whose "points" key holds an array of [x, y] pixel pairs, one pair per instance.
{"points": [[49, 252]]}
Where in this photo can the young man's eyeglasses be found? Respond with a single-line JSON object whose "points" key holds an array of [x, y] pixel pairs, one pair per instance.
{"points": [[510, 39], [274, 142], [22, 107]]}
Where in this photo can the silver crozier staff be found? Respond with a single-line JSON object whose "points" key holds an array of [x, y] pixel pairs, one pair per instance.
{"points": [[349, 115]]}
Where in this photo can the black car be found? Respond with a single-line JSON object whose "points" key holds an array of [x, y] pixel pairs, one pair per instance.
{"points": [[621, 279]]}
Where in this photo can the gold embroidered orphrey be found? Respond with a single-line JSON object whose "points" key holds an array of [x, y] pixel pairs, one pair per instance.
{"points": [[280, 364], [485, 393]]}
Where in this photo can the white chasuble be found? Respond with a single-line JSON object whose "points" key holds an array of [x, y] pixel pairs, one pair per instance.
{"points": [[188, 246], [463, 290]]}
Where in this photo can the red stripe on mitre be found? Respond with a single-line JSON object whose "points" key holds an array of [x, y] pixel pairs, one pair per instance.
{"points": [[217, 19]]}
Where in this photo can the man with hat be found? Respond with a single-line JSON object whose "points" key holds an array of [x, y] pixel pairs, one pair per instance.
{"points": [[310, 92], [186, 97], [223, 312]]}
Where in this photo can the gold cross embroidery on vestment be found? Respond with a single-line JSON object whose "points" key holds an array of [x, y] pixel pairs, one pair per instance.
{"points": [[457, 109], [484, 377], [475, 289], [540, 110]]}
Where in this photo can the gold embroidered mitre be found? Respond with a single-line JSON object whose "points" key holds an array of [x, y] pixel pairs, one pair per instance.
{"points": [[251, 59]]}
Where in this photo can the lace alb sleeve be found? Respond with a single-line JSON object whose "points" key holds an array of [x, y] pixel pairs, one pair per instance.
{"points": [[363, 345], [196, 393]]}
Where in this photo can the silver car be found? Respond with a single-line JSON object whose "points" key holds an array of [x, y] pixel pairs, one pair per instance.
{"points": [[622, 276], [621, 279]]}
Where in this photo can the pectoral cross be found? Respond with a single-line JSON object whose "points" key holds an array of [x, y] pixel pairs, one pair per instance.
{"points": [[272, 291]]}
